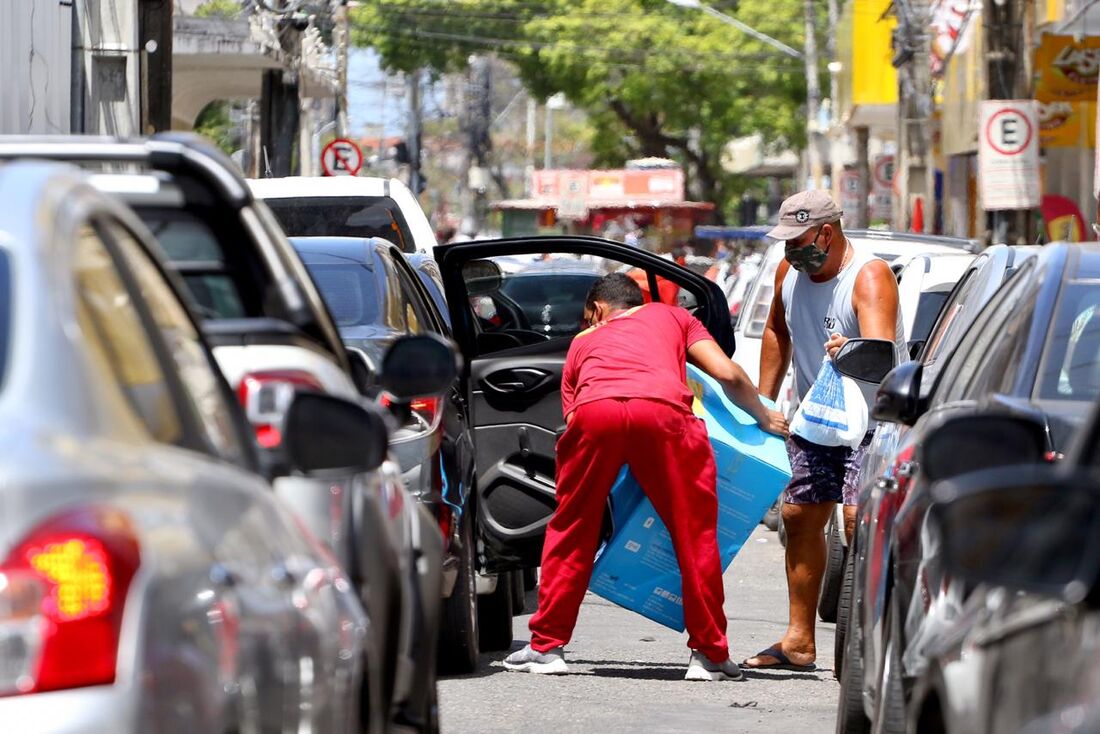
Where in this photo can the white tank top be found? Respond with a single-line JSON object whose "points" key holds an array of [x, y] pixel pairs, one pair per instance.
{"points": [[814, 311]]}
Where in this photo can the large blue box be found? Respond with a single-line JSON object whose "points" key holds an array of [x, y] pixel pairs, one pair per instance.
{"points": [[637, 567]]}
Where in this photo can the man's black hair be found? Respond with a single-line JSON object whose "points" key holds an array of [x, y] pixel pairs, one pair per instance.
{"points": [[617, 290]]}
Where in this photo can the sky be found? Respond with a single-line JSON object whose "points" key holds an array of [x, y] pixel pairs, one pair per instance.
{"points": [[375, 106]]}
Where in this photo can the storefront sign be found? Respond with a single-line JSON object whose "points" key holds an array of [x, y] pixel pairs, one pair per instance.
{"points": [[1067, 69], [1067, 124], [1008, 155], [598, 187]]}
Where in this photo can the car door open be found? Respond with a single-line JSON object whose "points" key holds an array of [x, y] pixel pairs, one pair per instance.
{"points": [[516, 305]]}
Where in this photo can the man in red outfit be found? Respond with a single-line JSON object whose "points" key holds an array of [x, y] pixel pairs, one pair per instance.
{"points": [[626, 401]]}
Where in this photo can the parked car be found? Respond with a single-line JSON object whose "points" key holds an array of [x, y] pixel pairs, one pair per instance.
{"points": [[1032, 350], [272, 337], [149, 578], [376, 297], [428, 271], [1021, 652], [348, 206], [512, 381]]}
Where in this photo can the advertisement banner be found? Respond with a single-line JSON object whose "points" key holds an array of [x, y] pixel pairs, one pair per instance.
{"points": [[1008, 155], [1067, 69]]}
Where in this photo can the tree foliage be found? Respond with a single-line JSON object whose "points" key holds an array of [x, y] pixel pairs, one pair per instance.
{"points": [[655, 79]]}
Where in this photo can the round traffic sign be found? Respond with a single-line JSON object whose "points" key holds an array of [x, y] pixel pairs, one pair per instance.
{"points": [[1009, 131], [884, 171], [341, 157]]}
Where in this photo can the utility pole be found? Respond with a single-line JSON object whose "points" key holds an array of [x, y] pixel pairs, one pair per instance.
{"points": [[548, 138], [340, 39], [478, 143], [412, 81], [813, 98], [863, 167], [915, 167], [532, 123], [1008, 77], [155, 52], [836, 172]]}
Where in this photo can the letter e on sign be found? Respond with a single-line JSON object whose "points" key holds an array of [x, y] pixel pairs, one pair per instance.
{"points": [[1008, 155], [341, 157]]}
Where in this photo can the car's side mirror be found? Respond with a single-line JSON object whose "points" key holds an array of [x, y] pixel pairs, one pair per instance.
{"points": [[418, 367], [1032, 528], [898, 397], [865, 360], [328, 435], [966, 443]]}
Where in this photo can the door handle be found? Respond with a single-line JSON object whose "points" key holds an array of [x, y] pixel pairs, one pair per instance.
{"points": [[524, 379]]}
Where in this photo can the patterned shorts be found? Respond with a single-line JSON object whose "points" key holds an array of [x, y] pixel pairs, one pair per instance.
{"points": [[824, 473]]}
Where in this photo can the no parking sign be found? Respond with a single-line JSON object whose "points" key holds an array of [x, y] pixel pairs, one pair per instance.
{"points": [[1008, 155], [341, 157]]}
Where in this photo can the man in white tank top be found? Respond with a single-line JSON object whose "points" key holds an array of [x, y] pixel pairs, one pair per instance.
{"points": [[825, 294]]}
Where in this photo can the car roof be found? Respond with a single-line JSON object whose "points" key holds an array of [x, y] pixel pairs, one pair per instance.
{"points": [[318, 186], [359, 249]]}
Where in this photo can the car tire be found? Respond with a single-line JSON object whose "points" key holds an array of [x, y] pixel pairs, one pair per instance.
{"points": [[834, 571], [771, 517], [530, 579], [519, 594], [844, 606], [458, 632], [494, 616], [890, 707], [851, 718]]}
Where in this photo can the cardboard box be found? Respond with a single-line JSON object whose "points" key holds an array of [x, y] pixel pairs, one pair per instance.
{"points": [[637, 567]]}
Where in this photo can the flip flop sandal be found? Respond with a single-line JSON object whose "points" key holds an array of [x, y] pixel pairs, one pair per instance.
{"points": [[775, 651]]}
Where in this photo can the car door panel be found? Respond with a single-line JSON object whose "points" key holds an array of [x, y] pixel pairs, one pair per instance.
{"points": [[515, 393]]}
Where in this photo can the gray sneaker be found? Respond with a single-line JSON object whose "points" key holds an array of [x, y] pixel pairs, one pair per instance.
{"points": [[701, 668], [528, 660]]}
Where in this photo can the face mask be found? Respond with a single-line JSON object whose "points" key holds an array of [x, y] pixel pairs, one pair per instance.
{"points": [[807, 259]]}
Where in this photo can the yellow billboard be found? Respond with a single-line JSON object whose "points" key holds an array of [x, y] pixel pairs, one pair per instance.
{"points": [[1067, 69]]}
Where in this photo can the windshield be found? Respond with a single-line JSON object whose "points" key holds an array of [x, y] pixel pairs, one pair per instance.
{"points": [[552, 299], [1071, 366], [351, 294], [343, 216]]}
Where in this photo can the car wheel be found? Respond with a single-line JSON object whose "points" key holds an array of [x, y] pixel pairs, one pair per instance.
{"points": [[458, 632], [771, 517], [494, 616], [519, 594], [851, 718], [530, 579], [844, 606], [890, 707], [834, 571]]}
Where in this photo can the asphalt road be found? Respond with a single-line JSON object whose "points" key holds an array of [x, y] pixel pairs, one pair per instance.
{"points": [[627, 672]]}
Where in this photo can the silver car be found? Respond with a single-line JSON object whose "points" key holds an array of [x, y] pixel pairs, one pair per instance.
{"points": [[149, 579]]}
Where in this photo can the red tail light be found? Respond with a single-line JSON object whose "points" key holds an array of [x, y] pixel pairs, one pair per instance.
{"points": [[446, 523], [266, 396], [62, 596], [426, 408]]}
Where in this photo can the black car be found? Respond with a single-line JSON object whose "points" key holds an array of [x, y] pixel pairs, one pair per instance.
{"points": [[1032, 352], [1022, 651], [512, 373]]}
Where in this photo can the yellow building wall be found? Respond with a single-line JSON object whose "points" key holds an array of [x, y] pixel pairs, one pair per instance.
{"points": [[867, 76]]}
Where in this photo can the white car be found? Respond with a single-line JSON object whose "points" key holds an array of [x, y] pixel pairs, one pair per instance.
{"points": [[893, 247], [348, 206]]}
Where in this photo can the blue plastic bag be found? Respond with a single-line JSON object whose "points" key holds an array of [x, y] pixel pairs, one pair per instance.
{"points": [[834, 413]]}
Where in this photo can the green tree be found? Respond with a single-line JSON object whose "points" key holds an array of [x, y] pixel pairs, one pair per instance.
{"points": [[214, 123], [655, 79]]}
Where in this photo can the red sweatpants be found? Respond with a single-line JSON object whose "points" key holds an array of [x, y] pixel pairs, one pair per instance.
{"points": [[669, 453]]}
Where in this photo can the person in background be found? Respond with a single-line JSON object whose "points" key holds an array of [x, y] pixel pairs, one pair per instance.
{"points": [[825, 294], [626, 405]]}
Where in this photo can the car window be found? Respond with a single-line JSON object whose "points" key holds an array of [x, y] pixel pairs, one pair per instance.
{"points": [[351, 292], [343, 216], [1071, 363], [193, 249], [1008, 345], [928, 309], [113, 328], [196, 371], [948, 317], [972, 351], [756, 316], [539, 298]]}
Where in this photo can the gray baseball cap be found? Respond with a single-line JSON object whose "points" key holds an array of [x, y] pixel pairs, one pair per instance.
{"points": [[804, 211]]}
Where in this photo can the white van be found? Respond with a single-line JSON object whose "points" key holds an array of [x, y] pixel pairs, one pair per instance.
{"points": [[347, 206]]}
